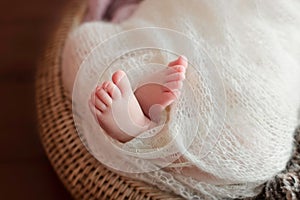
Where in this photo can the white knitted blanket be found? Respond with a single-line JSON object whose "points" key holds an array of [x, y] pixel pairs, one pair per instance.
{"points": [[233, 124]]}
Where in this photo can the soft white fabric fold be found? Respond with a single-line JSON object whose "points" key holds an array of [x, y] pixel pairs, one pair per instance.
{"points": [[240, 101]]}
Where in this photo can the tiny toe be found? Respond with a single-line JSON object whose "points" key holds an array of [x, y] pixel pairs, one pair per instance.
{"points": [[179, 68], [99, 116], [181, 60], [117, 76], [97, 103], [93, 97], [111, 90], [103, 97], [104, 84], [100, 105], [96, 113], [122, 82], [175, 77], [175, 62], [93, 109], [173, 85], [91, 106], [176, 68]]}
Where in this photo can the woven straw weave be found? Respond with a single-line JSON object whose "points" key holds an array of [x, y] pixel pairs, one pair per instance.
{"points": [[79, 171]]}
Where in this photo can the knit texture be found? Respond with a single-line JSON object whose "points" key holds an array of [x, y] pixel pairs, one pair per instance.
{"points": [[234, 126]]}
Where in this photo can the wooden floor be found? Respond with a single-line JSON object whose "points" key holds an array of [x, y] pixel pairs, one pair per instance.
{"points": [[25, 172]]}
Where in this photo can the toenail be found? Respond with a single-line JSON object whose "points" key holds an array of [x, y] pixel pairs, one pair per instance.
{"points": [[120, 78], [105, 85], [180, 68], [98, 88], [99, 91]]}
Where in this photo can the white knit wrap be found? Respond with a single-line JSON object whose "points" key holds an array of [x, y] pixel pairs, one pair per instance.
{"points": [[235, 119]]}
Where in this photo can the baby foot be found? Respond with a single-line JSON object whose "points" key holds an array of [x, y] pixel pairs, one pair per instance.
{"points": [[117, 110], [161, 89]]}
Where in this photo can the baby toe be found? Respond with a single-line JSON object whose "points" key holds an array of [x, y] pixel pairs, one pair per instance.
{"points": [[122, 82], [99, 116], [92, 106], [173, 85], [181, 60], [104, 85], [176, 68], [178, 76], [96, 113], [104, 98], [100, 105], [112, 90], [96, 103], [93, 96]]}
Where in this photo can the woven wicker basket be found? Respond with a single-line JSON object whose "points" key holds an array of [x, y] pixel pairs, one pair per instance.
{"points": [[79, 171]]}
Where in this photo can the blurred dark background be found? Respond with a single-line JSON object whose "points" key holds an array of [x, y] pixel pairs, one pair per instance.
{"points": [[25, 172]]}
